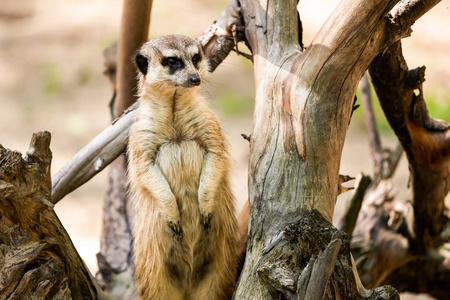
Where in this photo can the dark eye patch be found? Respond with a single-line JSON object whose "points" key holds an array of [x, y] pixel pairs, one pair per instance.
{"points": [[141, 63], [196, 59], [173, 63]]}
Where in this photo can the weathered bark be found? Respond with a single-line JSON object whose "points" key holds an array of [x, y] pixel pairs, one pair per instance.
{"points": [[404, 239], [37, 257], [223, 35], [115, 263], [380, 241], [319, 255], [348, 221], [426, 142], [398, 243], [303, 106], [375, 224], [115, 259], [371, 126], [385, 161]]}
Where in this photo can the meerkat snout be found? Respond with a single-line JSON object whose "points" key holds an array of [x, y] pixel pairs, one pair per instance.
{"points": [[195, 80]]}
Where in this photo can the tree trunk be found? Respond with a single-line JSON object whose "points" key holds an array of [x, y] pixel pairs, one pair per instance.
{"points": [[426, 142], [37, 257], [303, 106], [405, 240], [115, 258]]}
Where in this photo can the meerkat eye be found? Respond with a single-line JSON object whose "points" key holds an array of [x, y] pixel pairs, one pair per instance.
{"points": [[196, 59], [174, 63]]}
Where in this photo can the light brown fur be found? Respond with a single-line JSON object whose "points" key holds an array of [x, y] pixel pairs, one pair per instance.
{"points": [[185, 228]]}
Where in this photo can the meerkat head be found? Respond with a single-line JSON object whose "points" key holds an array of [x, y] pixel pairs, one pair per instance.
{"points": [[173, 61]]}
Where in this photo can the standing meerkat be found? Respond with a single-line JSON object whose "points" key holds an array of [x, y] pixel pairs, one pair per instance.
{"points": [[185, 230]]}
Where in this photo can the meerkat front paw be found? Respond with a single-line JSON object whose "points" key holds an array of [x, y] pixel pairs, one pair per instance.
{"points": [[176, 229], [206, 222]]}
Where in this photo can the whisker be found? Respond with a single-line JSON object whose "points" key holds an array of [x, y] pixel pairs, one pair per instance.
{"points": [[204, 88]]}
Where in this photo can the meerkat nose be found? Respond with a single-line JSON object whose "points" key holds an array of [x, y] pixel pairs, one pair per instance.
{"points": [[194, 80]]}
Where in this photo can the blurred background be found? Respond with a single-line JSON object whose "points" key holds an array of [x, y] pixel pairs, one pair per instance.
{"points": [[51, 78]]}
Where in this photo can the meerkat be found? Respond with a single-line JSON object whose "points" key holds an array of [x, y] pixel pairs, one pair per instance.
{"points": [[185, 229]]}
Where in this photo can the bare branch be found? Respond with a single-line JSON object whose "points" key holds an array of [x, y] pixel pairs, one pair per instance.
{"points": [[222, 36], [134, 29], [343, 179], [348, 221], [423, 139], [390, 161], [94, 157], [371, 125], [322, 270], [407, 12], [246, 137]]}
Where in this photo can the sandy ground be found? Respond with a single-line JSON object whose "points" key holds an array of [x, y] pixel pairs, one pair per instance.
{"points": [[51, 79]]}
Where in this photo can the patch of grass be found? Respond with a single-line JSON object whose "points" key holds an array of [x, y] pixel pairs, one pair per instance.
{"points": [[438, 108], [85, 75], [51, 79], [380, 118], [234, 104]]}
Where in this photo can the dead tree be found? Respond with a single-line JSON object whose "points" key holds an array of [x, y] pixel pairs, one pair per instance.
{"points": [[115, 258], [37, 257], [303, 105], [304, 100], [400, 243]]}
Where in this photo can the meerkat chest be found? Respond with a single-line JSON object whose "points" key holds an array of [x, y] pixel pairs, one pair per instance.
{"points": [[180, 158], [171, 134], [181, 163]]}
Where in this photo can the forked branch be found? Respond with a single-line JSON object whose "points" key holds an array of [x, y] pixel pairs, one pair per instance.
{"points": [[425, 141]]}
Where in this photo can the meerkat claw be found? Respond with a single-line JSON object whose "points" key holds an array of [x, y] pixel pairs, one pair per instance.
{"points": [[206, 222], [177, 231]]}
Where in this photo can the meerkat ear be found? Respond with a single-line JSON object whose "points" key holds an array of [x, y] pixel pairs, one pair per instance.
{"points": [[142, 63]]}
